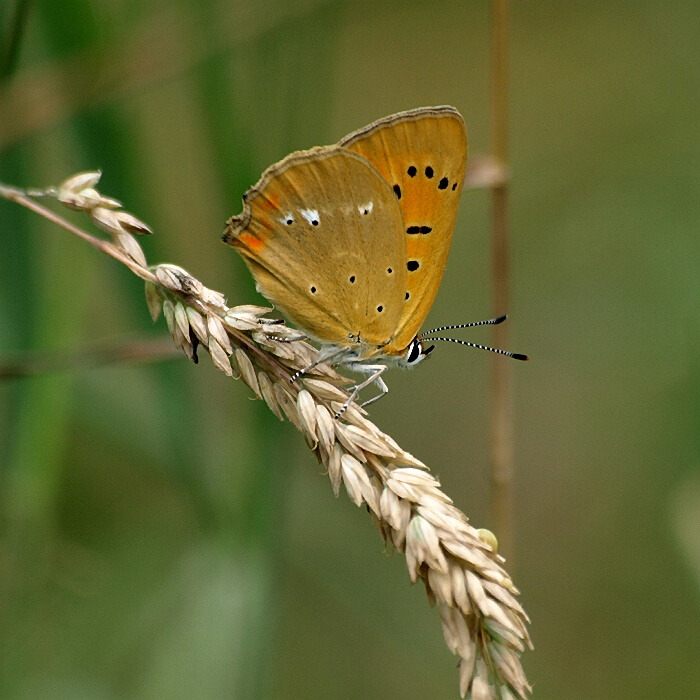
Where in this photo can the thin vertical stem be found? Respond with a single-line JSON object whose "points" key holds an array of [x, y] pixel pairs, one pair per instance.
{"points": [[501, 448]]}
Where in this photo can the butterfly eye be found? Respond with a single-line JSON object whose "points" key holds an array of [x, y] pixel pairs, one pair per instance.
{"points": [[414, 354]]}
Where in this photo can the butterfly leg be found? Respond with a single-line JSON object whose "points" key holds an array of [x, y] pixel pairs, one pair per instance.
{"points": [[291, 339], [375, 372], [332, 353]]}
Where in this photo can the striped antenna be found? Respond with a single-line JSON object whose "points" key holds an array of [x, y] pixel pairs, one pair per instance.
{"points": [[514, 355], [490, 322]]}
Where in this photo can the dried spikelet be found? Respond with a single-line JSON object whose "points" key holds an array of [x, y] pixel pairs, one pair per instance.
{"points": [[114, 222], [154, 300], [199, 327], [306, 407], [441, 585], [181, 319], [240, 322], [423, 546], [247, 371], [84, 200], [413, 484], [246, 317], [472, 556], [509, 667], [335, 467], [456, 631], [211, 297], [268, 393], [324, 390], [78, 192], [466, 671], [254, 310], [218, 332], [504, 636], [396, 511], [288, 405], [499, 592], [459, 589], [507, 695], [367, 441], [347, 443], [481, 689], [221, 360], [351, 478], [80, 181], [178, 279], [167, 277], [131, 247], [169, 313], [326, 430], [358, 483]]}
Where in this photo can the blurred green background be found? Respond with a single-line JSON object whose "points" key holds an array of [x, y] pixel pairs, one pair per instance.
{"points": [[162, 536]]}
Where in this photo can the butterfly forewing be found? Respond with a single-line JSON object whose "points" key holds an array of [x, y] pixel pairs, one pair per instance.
{"points": [[422, 154], [322, 234]]}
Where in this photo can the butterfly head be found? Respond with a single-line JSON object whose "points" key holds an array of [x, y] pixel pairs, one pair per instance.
{"points": [[415, 353]]}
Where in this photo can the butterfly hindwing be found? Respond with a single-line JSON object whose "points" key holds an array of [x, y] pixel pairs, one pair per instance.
{"points": [[422, 154], [322, 235]]}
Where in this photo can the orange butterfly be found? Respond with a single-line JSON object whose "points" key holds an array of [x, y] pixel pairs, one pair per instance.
{"points": [[350, 241]]}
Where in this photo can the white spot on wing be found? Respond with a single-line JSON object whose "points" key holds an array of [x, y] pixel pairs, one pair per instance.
{"points": [[311, 215], [366, 208], [287, 219]]}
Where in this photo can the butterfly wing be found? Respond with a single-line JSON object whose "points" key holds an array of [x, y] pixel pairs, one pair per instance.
{"points": [[422, 154], [322, 235]]}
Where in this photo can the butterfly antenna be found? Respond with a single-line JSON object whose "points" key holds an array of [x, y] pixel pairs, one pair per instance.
{"points": [[490, 322], [514, 355]]}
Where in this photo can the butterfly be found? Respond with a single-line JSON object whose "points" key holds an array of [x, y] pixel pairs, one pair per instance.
{"points": [[350, 241]]}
